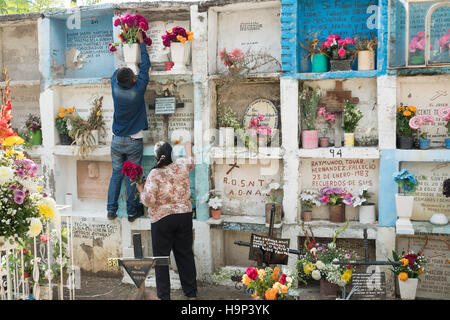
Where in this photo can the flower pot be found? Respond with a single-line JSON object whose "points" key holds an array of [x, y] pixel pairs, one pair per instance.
{"points": [[328, 290], [65, 139], [447, 143], [424, 143], [226, 137], [310, 139], [349, 139], [341, 65], [132, 56], [405, 142], [216, 213], [277, 215], [367, 214], [337, 213], [307, 216], [324, 142], [417, 60], [36, 137], [319, 63], [404, 206], [351, 213], [366, 60], [179, 53], [408, 288]]}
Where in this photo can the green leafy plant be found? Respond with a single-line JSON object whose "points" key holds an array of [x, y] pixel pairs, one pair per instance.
{"points": [[364, 44], [309, 99], [227, 117], [404, 115], [352, 115]]}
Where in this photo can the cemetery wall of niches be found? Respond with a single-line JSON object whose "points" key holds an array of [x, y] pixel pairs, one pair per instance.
{"points": [[19, 51]]}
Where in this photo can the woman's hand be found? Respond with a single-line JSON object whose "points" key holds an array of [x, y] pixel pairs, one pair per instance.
{"points": [[140, 188]]}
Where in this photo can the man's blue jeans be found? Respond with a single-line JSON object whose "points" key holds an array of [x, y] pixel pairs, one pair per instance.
{"points": [[124, 149]]}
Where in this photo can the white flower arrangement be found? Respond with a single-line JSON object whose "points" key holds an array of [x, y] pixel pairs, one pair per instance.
{"points": [[310, 198], [362, 198], [215, 203], [271, 191]]}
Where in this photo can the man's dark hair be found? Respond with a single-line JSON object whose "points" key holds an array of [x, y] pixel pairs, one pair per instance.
{"points": [[125, 77]]}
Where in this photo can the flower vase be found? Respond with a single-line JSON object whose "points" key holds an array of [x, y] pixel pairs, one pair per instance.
{"points": [[324, 142], [328, 290], [132, 56], [424, 143], [367, 214], [226, 137], [366, 60], [36, 137], [351, 213], [216, 213], [408, 288], [341, 65], [277, 214], [447, 143], [179, 53], [319, 63], [310, 139], [349, 139], [337, 213], [65, 139], [307, 216], [95, 134], [404, 205], [405, 142]]}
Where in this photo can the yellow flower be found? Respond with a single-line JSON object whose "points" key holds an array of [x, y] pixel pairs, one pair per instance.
{"points": [[420, 270], [98, 113], [261, 273], [6, 175], [283, 288], [405, 262], [403, 276], [46, 211], [246, 280], [61, 109], [12, 140], [412, 109], [406, 113], [309, 267], [39, 188], [347, 275], [35, 227]]}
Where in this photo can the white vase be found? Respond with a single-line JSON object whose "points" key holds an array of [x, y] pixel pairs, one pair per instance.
{"points": [[367, 214], [404, 205], [132, 56], [349, 139], [179, 53], [408, 288], [226, 137], [366, 60]]}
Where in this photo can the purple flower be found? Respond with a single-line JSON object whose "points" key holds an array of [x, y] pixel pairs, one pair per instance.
{"points": [[19, 196], [348, 200], [348, 256], [13, 187], [320, 248]]}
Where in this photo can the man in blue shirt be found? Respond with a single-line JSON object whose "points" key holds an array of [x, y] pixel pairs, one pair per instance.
{"points": [[129, 122]]}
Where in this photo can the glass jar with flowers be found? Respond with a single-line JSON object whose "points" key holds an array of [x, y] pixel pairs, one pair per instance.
{"points": [[444, 113], [366, 52], [352, 115], [339, 51], [336, 199], [309, 199], [404, 130], [178, 40], [33, 124], [319, 59], [408, 273], [61, 119], [330, 118], [404, 200], [131, 25], [263, 133], [417, 49], [318, 264], [308, 101], [267, 284]]}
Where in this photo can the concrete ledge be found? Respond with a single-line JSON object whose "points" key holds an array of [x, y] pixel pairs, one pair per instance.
{"points": [[425, 227], [326, 229]]}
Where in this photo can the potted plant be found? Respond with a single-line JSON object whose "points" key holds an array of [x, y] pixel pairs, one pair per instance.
{"points": [[352, 115], [309, 199], [339, 51], [262, 132], [61, 124], [227, 120], [215, 205], [336, 199], [130, 25], [444, 113], [366, 52], [330, 117], [413, 265], [417, 49], [33, 124], [404, 200], [273, 190], [319, 59], [415, 123], [267, 284], [367, 212], [404, 130], [177, 39], [309, 99], [317, 263]]}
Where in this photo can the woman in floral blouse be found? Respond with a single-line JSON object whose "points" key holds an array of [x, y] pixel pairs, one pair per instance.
{"points": [[167, 195]]}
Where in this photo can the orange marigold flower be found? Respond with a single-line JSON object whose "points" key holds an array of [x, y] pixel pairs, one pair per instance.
{"points": [[412, 109], [283, 288], [400, 109], [405, 262], [62, 109], [246, 280], [70, 110], [420, 270], [61, 114], [403, 276], [276, 270], [190, 38], [406, 113], [271, 294]]}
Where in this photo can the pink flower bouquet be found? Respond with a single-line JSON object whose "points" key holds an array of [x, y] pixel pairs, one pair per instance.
{"points": [[257, 128], [337, 48], [444, 42], [335, 196], [130, 24]]}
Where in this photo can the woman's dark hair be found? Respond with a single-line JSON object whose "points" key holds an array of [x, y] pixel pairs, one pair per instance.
{"points": [[163, 154], [125, 77]]}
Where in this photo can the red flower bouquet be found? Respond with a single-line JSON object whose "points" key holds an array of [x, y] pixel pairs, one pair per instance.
{"points": [[133, 171], [130, 24], [177, 34]]}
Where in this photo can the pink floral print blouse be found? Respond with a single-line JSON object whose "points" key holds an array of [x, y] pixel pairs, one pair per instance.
{"points": [[167, 190]]}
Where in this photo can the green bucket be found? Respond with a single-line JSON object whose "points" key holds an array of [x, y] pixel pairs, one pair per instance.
{"points": [[319, 63], [36, 137]]}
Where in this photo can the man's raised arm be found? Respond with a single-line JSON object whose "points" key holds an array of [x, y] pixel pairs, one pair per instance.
{"points": [[143, 77]]}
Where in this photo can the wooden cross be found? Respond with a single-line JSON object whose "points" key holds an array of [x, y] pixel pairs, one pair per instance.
{"points": [[335, 102], [232, 167]]}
